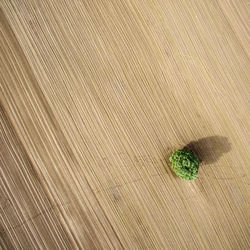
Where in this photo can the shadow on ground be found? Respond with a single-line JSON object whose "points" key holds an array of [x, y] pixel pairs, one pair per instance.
{"points": [[209, 149]]}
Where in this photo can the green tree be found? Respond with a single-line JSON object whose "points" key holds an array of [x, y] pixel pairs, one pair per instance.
{"points": [[185, 164]]}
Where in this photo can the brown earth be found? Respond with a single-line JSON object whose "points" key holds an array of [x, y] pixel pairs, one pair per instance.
{"points": [[94, 97]]}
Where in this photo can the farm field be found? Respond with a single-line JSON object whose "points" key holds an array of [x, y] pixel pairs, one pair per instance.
{"points": [[95, 95]]}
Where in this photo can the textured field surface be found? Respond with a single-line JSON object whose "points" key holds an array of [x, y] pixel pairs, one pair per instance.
{"points": [[94, 97]]}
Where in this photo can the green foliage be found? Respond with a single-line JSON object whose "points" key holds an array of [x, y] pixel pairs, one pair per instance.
{"points": [[185, 164]]}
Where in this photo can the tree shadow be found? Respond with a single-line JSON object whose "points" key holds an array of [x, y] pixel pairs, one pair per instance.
{"points": [[209, 149]]}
